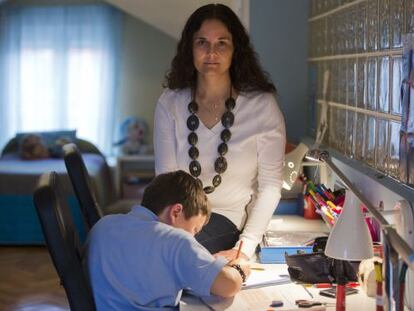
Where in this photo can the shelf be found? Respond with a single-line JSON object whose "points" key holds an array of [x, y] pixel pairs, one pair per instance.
{"points": [[133, 174]]}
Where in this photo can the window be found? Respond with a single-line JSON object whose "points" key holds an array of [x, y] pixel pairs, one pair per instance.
{"points": [[58, 70], [360, 43]]}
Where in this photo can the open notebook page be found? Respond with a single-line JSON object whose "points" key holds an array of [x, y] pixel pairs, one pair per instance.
{"points": [[259, 278]]}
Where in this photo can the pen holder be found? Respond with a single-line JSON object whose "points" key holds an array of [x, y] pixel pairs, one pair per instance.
{"points": [[309, 209]]}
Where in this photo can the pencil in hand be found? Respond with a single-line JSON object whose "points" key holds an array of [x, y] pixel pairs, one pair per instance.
{"points": [[239, 249]]}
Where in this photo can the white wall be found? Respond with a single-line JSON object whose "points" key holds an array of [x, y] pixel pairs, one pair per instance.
{"points": [[278, 29], [146, 55]]}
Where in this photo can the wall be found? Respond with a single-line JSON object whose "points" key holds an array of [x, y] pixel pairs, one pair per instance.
{"points": [[145, 57], [278, 30]]}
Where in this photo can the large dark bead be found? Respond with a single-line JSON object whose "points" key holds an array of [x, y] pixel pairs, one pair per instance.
{"points": [[225, 135], [193, 107], [216, 180], [193, 122], [220, 165], [193, 152], [222, 149], [195, 168], [208, 189], [230, 103], [227, 119], [192, 138]]}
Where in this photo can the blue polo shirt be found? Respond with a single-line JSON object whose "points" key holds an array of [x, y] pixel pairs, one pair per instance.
{"points": [[136, 262]]}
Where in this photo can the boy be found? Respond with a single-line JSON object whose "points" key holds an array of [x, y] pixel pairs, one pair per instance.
{"points": [[144, 259]]}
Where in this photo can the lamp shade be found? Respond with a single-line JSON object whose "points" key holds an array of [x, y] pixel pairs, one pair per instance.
{"points": [[292, 163], [350, 238]]}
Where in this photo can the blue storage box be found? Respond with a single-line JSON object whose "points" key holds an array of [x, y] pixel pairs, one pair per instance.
{"points": [[292, 206], [276, 254]]}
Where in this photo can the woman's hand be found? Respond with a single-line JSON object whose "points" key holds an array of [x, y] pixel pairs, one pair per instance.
{"points": [[230, 254]]}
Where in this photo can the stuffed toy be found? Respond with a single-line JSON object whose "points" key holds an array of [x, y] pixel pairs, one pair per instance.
{"points": [[33, 147], [132, 132], [56, 149]]}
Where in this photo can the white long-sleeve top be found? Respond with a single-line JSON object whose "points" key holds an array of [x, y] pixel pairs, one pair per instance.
{"points": [[250, 187]]}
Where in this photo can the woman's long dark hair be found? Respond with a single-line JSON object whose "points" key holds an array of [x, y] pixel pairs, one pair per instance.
{"points": [[245, 71]]}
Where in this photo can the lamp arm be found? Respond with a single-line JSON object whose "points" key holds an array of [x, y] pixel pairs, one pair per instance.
{"points": [[400, 246], [324, 156]]}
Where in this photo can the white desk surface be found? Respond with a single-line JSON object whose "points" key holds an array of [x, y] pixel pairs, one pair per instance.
{"points": [[289, 292]]}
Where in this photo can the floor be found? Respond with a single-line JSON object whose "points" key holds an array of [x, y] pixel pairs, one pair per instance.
{"points": [[28, 280]]}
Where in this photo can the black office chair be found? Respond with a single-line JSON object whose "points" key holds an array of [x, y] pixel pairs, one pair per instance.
{"points": [[62, 241], [85, 194], [81, 184]]}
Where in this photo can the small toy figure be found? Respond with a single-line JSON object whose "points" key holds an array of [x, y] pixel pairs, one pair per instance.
{"points": [[132, 132], [33, 147], [56, 148]]}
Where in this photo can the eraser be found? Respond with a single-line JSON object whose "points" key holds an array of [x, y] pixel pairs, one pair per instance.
{"points": [[276, 303]]}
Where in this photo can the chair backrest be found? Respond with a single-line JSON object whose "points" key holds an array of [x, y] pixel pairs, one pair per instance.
{"points": [[62, 241], [81, 183]]}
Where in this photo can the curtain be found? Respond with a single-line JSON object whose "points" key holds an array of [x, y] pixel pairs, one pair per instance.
{"points": [[58, 70]]}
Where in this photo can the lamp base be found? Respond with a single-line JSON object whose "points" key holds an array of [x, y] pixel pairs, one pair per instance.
{"points": [[340, 285], [340, 297]]}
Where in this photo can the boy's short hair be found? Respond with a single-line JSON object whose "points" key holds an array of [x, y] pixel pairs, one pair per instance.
{"points": [[176, 187]]}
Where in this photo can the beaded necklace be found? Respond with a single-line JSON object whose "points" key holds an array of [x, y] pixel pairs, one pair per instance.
{"points": [[220, 165]]}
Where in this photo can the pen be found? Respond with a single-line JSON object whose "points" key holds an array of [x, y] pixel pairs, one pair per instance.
{"points": [[307, 290], [239, 249], [333, 207], [352, 284], [322, 285], [329, 285]]}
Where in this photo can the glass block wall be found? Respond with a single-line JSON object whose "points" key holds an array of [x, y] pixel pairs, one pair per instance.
{"points": [[360, 43]]}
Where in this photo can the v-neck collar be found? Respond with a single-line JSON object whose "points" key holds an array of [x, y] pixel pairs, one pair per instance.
{"points": [[217, 128]]}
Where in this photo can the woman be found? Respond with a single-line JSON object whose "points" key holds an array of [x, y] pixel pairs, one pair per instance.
{"points": [[218, 120]]}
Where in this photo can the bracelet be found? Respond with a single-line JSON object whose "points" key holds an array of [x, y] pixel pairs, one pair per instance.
{"points": [[238, 268]]}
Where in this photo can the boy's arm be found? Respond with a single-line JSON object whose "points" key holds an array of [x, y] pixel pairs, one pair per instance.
{"points": [[229, 280]]}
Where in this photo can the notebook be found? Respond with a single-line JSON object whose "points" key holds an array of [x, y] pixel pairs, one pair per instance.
{"points": [[259, 278]]}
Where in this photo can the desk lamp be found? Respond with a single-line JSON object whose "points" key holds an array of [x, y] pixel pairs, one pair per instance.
{"points": [[293, 161], [349, 240]]}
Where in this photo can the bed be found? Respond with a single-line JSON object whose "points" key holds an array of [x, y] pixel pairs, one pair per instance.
{"points": [[18, 178]]}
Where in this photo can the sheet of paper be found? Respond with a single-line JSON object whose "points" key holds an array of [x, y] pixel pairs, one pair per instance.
{"points": [[259, 278], [246, 300]]}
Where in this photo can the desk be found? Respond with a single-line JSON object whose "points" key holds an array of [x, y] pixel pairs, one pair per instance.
{"points": [[289, 292]]}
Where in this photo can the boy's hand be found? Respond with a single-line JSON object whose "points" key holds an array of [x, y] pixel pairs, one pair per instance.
{"points": [[245, 265], [229, 281]]}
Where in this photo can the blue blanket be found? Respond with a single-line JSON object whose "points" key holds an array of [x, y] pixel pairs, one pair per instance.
{"points": [[19, 223]]}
